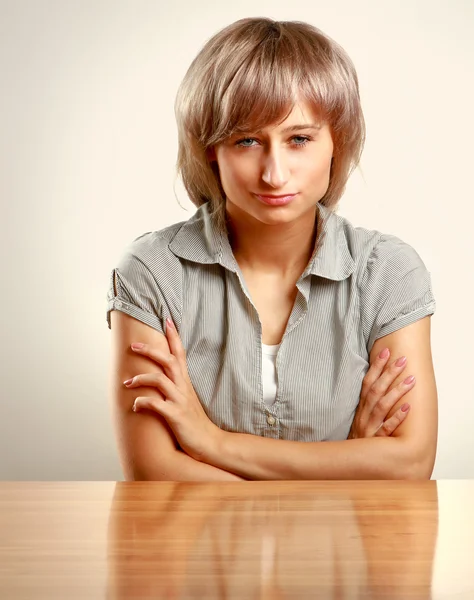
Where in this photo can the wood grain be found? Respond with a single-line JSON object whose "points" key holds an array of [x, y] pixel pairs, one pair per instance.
{"points": [[121, 540]]}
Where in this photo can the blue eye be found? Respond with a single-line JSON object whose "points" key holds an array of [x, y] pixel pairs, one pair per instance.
{"points": [[304, 140], [240, 142], [302, 137]]}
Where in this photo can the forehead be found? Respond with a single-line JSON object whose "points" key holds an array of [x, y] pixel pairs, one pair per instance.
{"points": [[302, 114]]}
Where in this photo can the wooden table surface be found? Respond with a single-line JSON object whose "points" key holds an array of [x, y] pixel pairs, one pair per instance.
{"points": [[243, 540]]}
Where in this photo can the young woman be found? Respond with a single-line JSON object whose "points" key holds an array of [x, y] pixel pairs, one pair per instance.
{"points": [[276, 335]]}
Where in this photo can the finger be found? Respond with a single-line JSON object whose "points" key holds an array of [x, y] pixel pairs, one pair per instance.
{"points": [[169, 363], [381, 385], [174, 341], [392, 372], [165, 386], [177, 349], [136, 382], [157, 405], [374, 372], [389, 426], [383, 407]]}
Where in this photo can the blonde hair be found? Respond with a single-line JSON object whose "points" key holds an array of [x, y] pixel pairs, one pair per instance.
{"points": [[250, 75]]}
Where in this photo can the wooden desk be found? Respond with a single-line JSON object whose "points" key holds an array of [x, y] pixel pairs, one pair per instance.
{"points": [[265, 540]]}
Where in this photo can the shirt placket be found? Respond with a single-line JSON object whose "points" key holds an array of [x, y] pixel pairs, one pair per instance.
{"points": [[300, 308]]}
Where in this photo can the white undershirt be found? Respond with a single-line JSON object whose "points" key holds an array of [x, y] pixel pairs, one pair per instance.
{"points": [[269, 378]]}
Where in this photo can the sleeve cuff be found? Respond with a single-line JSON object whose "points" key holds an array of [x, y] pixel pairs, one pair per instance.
{"points": [[135, 312], [403, 321]]}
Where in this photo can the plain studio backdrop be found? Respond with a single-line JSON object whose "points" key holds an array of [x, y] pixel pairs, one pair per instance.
{"points": [[87, 152]]}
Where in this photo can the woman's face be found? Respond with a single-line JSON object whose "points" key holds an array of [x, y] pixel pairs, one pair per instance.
{"points": [[291, 158]]}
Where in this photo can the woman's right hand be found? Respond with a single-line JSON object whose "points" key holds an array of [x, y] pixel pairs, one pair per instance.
{"points": [[376, 401]]}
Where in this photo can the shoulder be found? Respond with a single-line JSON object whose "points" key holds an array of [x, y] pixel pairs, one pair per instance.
{"points": [[153, 246], [374, 252], [147, 265], [394, 285], [149, 257], [146, 279]]}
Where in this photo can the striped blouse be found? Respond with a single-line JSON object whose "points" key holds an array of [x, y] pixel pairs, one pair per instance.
{"points": [[359, 286]]}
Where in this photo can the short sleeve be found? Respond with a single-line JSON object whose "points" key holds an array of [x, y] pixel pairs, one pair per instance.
{"points": [[395, 289], [134, 290]]}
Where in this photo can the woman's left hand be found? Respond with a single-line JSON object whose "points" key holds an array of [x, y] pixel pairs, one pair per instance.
{"points": [[197, 435]]}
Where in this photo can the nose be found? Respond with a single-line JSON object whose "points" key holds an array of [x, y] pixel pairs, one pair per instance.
{"points": [[275, 170]]}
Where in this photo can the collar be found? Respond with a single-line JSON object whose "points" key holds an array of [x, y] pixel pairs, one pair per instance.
{"points": [[200, 240]]}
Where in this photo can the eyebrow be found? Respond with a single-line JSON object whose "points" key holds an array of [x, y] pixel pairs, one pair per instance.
{"points": [[303, 126], [291, 128]]}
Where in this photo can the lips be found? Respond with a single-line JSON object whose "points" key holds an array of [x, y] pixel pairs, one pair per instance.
{"points": [[280, 200]]}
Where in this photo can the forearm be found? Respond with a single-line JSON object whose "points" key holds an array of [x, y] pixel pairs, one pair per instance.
{"points": [[181, 467], [256, 457], [148, 452]]}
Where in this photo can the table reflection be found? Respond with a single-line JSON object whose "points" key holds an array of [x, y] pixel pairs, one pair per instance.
{"points": [[261, 540]]}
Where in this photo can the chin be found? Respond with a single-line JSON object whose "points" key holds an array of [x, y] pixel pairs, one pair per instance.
{"points": [[275, 217]]}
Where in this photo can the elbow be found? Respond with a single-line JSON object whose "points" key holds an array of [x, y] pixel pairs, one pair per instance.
{"points": [[140, 472], [135, 475], [417, 471], [407, 461], [148, 475], [422, 469], [415, 465]]}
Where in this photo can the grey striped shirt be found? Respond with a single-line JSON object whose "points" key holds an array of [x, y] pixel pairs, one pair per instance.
{"points": [[358, 287]]}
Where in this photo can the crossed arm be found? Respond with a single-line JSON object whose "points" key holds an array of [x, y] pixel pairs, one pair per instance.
{"points": [[408, 454]]}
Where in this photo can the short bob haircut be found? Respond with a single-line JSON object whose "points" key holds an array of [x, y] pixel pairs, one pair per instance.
{"points": [[250, 75]]}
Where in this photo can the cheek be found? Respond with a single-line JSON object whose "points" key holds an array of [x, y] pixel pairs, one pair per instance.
{"points": [[324, 174], [325, 167], [315, 169], [234, 173]]}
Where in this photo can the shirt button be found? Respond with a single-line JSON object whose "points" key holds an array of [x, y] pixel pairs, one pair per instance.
{"points": [[271, 420], [118, 304]]}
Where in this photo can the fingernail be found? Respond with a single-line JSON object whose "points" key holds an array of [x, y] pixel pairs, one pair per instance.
{"points": [[401, 361], [405, 407], [137, 346], [385, 352], [409, 380], [169, 323], [128, 382]]}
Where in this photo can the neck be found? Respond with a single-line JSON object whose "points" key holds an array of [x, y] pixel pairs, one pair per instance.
{"points": [[283, 249]]}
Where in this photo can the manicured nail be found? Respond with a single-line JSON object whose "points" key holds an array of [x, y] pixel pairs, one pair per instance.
{"points": [[128, 382], [169, 323], [401, 361], [385, 352], [405, 407], [137, 346], [409, 380]]}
